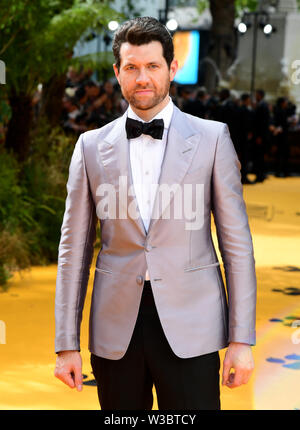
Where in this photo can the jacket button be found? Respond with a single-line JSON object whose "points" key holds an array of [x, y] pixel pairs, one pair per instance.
{"points": [[148, 248], [140, 280]]}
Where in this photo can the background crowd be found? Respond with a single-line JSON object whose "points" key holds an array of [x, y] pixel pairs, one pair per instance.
{"points": [[258, 129]]}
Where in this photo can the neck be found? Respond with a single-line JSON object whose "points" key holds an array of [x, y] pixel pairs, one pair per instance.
{"points": [[148, 114]]}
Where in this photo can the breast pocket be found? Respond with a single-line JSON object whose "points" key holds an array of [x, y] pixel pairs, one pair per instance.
{"points": [[101, 270], [195, 169], [206, 266]]}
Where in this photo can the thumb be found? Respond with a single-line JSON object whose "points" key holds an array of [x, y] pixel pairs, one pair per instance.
{"points": [[78, 378], [226, 372]]}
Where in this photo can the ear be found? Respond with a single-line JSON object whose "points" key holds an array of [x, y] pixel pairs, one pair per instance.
{"points": [[116, 72], [173, 69]]}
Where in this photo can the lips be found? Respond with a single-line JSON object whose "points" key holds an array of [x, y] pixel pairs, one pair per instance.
{"points": [[144, 91]]}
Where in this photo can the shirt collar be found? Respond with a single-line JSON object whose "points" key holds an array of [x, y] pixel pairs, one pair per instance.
{"points": [[165, 114]]}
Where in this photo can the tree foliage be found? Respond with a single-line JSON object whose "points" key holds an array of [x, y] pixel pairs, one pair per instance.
{"points": [[240, 5], [37, 38]]}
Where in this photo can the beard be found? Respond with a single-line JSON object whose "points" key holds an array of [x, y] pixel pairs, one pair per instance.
{"points": [[148, 102]]}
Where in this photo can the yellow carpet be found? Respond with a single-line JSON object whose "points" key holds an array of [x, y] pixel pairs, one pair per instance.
{"points": [[27, 313]]}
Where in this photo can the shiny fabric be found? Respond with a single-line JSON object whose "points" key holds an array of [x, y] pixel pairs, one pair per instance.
{"points": [[135, 128], [196, 313], [180, 384]]}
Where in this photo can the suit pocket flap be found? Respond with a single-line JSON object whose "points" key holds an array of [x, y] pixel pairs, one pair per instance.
{"points": [[202, 267], [101, 270]]}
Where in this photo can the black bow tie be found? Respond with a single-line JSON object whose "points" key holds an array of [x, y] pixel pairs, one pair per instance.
{"points": [[135, 128]]}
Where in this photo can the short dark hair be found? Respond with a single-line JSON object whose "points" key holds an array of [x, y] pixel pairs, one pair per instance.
{"points": [[245, 96], [261, 93], [224, 93], [140, 31]]}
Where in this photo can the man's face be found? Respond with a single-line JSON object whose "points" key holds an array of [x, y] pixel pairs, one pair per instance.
{"points": [[247, 101], [108, 87], [258, 96], [144, 76]]}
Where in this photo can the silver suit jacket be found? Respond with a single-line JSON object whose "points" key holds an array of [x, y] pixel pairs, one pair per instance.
{"points": [[197, 313]]}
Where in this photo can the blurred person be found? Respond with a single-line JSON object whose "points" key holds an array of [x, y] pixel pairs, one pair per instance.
{"points": [[92, 91], [150, 272], [107, 105], [81, 96], [280, 128], [194, 103], [261, 134], [227, 111], [72, 116], [246, 119], [212, 107], [186, 96], [72, 78], [87, 95]]}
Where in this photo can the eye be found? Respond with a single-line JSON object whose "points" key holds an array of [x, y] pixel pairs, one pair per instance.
{"points": [[153, 66]]}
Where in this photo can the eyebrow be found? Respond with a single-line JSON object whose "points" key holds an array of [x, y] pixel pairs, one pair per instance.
{"points": [[133, 64]]}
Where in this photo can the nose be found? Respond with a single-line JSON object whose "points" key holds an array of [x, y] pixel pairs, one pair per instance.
{"points": [[142, 77]]}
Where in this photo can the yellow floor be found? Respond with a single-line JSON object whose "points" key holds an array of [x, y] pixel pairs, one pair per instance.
{"points": [[27, 314]]}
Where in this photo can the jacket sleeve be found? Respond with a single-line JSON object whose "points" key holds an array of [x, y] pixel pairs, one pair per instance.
{"points": [[75, 253], [235, 241]]}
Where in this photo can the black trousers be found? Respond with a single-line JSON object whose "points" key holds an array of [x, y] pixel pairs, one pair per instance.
{"points": [[180, 383]]}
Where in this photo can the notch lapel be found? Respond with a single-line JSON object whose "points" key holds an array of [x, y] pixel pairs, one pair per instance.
{"points": [[115, 156], [182, 144]]}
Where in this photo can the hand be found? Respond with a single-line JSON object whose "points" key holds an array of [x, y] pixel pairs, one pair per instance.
{"points": [[238, 357], [69, 368]]}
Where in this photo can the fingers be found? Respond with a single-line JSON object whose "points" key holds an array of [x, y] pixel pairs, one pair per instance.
{"points": [[239, 359], [237, 378], [226, 372], [65, 375], [68, 370], [78, 379]]}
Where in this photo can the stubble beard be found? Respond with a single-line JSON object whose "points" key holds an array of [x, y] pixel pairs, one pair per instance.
{"points": [[147, 103]]}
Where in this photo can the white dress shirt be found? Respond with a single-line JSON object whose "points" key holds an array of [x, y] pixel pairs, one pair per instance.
{"points": [[146, 156]]}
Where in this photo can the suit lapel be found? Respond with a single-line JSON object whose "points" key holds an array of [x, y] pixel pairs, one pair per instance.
{"points": [[181, 146], [115, 156]]}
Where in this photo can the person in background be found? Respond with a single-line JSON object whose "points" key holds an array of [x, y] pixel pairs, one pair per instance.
{"points": [[227, 111], [279, 129], [261, 134], [246, 118]]}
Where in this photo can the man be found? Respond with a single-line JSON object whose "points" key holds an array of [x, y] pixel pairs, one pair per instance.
{"points": [[228, 112], [261, 133], [194, 104], [280, 128], [245, 136], [159, 313]]}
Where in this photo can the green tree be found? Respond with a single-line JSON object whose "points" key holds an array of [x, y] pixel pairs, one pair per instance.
{"points": [[36, 43]]}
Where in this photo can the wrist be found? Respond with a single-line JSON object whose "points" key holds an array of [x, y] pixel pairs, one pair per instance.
{"points": [[239, 344]]}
